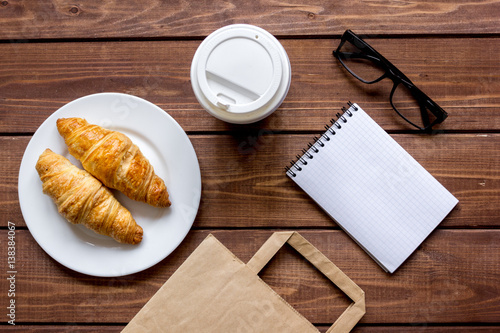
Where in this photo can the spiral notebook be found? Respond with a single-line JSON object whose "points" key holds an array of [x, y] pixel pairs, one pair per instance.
{"points": [[373, 188]]}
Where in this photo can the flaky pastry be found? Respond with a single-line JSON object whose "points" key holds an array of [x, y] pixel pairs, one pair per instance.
{"points": [[82, 199]]}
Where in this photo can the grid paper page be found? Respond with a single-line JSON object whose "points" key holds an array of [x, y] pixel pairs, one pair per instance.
{"points": [[377, 192]]}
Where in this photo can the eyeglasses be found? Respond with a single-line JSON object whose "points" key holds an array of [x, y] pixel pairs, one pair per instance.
{"points": [[369, 66]]}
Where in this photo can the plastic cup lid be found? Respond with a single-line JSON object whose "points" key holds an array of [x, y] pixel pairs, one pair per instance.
{"points": [[240, 69]]}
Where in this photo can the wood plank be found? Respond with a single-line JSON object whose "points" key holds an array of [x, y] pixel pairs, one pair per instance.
{"points": [[358, 329], [452, 279], [422, 328], [252, 182], [461, 74], [63, 328], [20, 20], [238, 176]]}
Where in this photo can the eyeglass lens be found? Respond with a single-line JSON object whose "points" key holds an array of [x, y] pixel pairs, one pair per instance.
{"points": [[367, 68], [409, 108], [362, 65]]}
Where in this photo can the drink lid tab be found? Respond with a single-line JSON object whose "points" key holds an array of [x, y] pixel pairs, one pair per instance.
{"points": [[240, 73]]}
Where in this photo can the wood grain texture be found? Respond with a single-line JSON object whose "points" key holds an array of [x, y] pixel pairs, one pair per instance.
{"points": [[461, 74], [358, 329], [244, 173], [20, 20], [454, 277], [54, 51]]}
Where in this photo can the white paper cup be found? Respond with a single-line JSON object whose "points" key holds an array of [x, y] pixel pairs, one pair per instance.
{"points": [[240, 73]]}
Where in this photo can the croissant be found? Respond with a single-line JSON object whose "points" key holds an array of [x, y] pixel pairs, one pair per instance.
{"points": [[112, 158], [82, 199]]}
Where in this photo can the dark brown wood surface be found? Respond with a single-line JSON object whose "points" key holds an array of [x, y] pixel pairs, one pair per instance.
{"points": [[461, 74], [452, 278], [124, 19], [244, 178], [52, 52]]}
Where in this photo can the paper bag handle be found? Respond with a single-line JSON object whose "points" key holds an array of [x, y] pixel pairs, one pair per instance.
{"points": [[354, 312]]}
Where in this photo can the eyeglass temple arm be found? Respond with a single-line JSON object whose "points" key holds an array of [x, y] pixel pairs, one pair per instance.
{"points": [[354, 55], [425, 116], [426, 103]]}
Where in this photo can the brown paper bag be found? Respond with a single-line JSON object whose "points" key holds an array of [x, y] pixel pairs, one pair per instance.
{"points": [[213, 291]]}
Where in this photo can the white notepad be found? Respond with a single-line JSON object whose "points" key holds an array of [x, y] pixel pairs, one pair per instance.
{"points": [[375, 191]]}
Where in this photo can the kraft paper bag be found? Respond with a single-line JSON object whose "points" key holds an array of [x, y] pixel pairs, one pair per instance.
{"points": [[213, 291]]}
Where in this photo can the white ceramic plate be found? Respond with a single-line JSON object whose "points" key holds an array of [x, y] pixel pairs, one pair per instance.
{"points": [[165, 145]]}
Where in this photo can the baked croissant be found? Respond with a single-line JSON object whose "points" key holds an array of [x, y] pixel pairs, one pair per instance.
{"points": [[112, 158], [82, 199]]}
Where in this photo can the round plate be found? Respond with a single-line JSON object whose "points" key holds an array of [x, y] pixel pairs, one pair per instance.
{"points": [[165, 145]]}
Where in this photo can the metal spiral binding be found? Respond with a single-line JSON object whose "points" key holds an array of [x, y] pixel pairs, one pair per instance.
{"points": [[318, 141], [314, 147], [301, 159], [352, 105], [341, 117], [307, 154]]}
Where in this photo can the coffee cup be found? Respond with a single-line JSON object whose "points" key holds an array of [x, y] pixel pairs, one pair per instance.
{"points": [[240, 73]]}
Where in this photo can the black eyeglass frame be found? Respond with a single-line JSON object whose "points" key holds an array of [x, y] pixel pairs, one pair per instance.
{"points": [[393, 73]]}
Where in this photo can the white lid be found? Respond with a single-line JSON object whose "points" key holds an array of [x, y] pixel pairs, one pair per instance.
{"points": [[240, 73]]}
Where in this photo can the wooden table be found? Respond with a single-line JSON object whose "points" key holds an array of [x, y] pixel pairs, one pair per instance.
{"points": [[53, 52]]}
